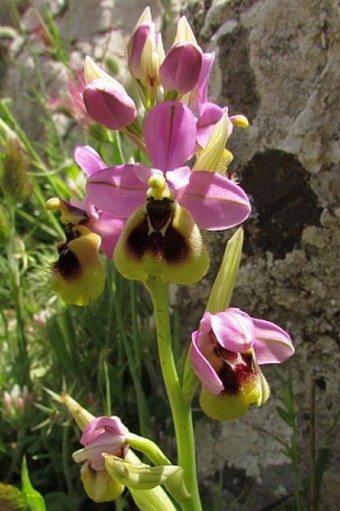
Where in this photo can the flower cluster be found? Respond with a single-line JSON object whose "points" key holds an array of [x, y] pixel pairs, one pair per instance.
{"points": [[148, 217]]}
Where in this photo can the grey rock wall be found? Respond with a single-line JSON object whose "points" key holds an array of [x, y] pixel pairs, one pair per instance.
{"points": [[278, 63]]}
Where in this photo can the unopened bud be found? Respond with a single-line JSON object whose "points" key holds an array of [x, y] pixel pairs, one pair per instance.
{"points": [[181, 67], [108, 103]]}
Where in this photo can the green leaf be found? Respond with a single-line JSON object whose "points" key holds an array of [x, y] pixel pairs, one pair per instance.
{"points": [[285, 416], [223, 286], [34, 499]]}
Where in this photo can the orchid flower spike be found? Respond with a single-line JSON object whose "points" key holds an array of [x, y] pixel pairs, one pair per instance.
{"points": [[167, 203], [226, 353]]}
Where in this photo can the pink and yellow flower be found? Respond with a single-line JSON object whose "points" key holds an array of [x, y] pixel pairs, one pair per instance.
{"points": [[226, 353], [101, 435], [167, 203]]}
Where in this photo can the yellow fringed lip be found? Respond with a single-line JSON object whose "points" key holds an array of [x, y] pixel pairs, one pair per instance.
{"points": [[78, 276], [165, 243]]}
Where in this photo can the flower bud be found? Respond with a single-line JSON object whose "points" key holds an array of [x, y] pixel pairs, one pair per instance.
{"points": [[92, 71], [145, 52], [108, 103], [181, 67]]}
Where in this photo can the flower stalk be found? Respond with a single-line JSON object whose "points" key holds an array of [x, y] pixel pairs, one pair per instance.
{"points": [[181, 409]]}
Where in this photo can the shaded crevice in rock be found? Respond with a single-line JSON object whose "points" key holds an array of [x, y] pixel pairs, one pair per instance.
{"points": [[283, 203], [238, 79]]}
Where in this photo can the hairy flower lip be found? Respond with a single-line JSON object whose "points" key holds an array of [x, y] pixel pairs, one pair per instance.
{"points": [[175, 252]]}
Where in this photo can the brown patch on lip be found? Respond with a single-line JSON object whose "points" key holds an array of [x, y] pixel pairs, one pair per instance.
{"points": [[68, 265], [170, 246]]}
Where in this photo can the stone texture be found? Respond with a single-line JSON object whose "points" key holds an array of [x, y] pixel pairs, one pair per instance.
{"points": [[279, 65]]}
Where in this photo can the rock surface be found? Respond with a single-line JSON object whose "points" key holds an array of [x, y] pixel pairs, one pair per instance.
{"points": [[279, 65]]}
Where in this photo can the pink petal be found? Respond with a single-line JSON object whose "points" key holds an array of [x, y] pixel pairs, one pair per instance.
{"points": [[233, 329], [170, 135], [203, 370], [135, 47], [117, 190], [108, 103], [99, 425], [215, 201], [109, 229], [205, 323], [103, 434], [181, 67], [88, 159], [272, 344], [179, 177], [199, 94], [210, 114]]}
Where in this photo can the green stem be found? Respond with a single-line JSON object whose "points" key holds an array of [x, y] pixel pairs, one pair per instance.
{"points": [[181, 409]]}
